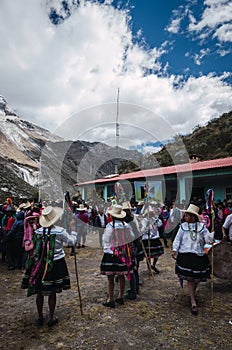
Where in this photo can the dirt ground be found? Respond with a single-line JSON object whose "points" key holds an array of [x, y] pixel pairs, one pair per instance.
{"points": [[159, 319]]}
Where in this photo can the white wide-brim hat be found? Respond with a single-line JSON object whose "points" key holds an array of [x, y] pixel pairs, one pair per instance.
{"points": [[149, 210], [26, 205], [117, 212], [127, 205], [193, 209], [50, 215], [81, 208]]}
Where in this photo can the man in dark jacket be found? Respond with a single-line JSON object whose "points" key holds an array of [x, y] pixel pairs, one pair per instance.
{"points": [[14, 240], [100, 221]]}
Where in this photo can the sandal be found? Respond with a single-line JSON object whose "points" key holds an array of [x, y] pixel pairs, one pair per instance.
{"points": [[194, 310], [52, 322]]}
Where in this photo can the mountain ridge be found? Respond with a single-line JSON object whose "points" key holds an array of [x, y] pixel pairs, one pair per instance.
{"points": [[24, 145]]}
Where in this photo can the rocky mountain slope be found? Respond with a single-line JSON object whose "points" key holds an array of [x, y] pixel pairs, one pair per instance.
{"points": [[212, 141], [36, 163], [21, 143]]}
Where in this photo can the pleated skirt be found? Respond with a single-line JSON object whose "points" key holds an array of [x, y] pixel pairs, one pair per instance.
{"points": [[112, 265], [192, 267], [153, 248], [55, 280]]}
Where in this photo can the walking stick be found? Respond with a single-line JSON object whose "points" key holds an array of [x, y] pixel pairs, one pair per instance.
{"points": [[146, 203], [212, 269], [147, 259], [69, 202], [78, 286], [209, 206]]}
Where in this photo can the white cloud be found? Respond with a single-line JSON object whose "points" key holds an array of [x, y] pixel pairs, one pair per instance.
{"points": [[49, 73], [177, 17], [216, 19], [198, 57], [174, 26], [224, 33]]}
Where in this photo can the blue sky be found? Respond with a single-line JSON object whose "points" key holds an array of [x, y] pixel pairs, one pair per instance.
{"points": [[63, 62], [184, 54]]}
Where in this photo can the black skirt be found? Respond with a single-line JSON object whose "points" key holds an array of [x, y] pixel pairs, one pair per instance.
{"points": [[154, 250], [112, 265], [55, 280], [193, 267]]}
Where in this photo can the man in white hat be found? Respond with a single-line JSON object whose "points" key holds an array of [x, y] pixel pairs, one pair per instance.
{"points": [[82, 222]]}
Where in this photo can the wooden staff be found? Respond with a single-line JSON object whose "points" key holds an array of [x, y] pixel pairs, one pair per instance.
{"points": [[69, 202], [149, 239], [78, 286], [212, 260], [149, 230], [147, 259], [209, 207]]}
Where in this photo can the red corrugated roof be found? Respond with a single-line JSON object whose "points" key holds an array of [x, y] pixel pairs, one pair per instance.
{"points": [[173, 169]]}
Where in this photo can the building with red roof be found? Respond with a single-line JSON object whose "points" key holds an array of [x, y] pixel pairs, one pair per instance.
{"points": [[180, 182]]}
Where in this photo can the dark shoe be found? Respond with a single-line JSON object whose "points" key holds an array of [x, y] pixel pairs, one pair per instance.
{"points": [[109, 304], [52, 322], [119, 301], [155, 269], [10, 268], [39, 322], [130, 296], [194, 310], [83, 246]]}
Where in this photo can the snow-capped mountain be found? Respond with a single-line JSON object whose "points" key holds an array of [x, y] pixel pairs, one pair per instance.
{"points": [[21, 143], [33, 159]]}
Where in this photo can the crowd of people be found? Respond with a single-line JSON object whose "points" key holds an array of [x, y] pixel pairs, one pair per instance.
{"points": [[34, 235]]}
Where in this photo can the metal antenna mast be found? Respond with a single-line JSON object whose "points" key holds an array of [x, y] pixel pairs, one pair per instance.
{"points": [[117, 132]]}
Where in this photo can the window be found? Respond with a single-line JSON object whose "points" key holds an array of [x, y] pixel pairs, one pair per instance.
{"points": [[228, 192]]}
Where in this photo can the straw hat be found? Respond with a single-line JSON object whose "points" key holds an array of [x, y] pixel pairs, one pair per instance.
{"points": [[193, 209], [127, 205], [117, 212], [50, 215], [148, 210], [27, 205], [81, 207]]}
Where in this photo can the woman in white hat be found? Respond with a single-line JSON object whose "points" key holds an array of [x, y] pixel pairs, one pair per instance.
{"points": [[192, 263], [151, 246], [82, 224], [116, 261], [47, 272]]}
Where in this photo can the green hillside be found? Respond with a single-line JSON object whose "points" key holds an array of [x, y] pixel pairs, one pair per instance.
{"points": [[211, 141]]}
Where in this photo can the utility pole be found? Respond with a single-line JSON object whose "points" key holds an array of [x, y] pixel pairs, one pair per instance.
{"points": [[117, 132]]}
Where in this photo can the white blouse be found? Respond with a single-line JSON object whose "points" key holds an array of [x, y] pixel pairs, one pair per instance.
{"points": [[183, 242], [155, 223], [62, 238], [108, 235]]}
